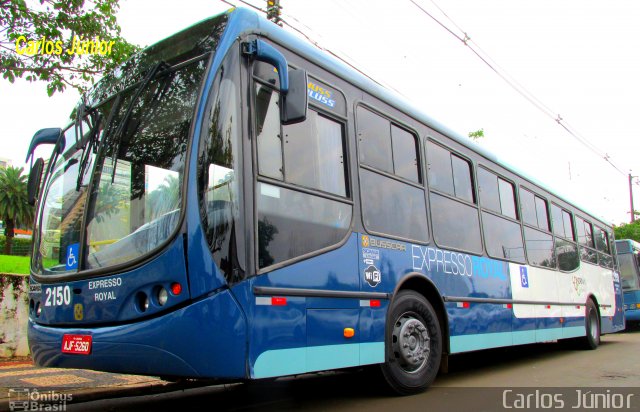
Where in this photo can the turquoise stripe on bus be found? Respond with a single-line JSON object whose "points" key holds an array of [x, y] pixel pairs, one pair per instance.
{"points": [[293, 361], [468, 343]]}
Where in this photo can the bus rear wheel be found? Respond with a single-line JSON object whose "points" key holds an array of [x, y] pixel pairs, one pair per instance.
{"points": [[413, 344], [592, 325]]}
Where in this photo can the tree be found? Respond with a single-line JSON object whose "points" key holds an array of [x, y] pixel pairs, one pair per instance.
{"points": [[628, 231], [477, 135], [37, 41], [14, 208]]}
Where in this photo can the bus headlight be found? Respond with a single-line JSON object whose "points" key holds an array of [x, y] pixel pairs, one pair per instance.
{"points": [[143, 301], [162, 296]]}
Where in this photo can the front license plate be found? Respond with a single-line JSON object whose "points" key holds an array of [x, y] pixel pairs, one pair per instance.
{"points": [[77, 344]]}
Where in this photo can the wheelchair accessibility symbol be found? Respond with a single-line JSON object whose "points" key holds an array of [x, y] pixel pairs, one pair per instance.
{"points": [[524, 278], [72, 256]]}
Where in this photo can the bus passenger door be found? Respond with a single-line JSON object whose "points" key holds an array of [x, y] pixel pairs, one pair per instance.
{"points": [[304, 252]]}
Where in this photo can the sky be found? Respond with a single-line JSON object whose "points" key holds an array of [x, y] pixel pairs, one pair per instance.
{"points": [[581, 58]]}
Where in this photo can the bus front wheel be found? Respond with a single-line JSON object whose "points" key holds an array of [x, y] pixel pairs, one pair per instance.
{"points": [[413, 344], [592, 325]]}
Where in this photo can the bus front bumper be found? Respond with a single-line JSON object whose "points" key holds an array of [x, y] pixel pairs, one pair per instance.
{"points": [[206, 339]]}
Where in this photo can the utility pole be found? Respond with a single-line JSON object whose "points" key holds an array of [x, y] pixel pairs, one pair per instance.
{"points": [[633, 215], [273, 11]]}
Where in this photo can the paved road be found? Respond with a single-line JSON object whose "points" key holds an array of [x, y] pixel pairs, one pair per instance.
{"points": [[546, 374]]}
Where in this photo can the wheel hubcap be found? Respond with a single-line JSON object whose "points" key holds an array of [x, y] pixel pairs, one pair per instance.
{"points": [[411, 343]]}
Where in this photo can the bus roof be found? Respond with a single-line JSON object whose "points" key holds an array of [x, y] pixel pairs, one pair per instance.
{"points": [[243, 21], [626, 246]]}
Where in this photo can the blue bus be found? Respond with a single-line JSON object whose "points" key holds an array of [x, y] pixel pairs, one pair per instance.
{"points": [[233, 203], [628, 252]]}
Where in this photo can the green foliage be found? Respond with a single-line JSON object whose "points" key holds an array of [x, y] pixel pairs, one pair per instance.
{"points": [[14, 208], [58, 22], [477, 135], [628, 231], [20, 247]]}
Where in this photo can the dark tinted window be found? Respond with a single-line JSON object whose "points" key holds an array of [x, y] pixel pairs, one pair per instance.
{"points": [[439, 166], [588, 255], [269, 142], [558, 222], [136, 206], [374, 137], [507, 198], [455, 224], [314, 154], [585, 232], [605, 260], [568, 225], [310, 154], [602, 243], [292, 223], [542, 213], [567, 253], [266, 72], [462, 178], [314, 150], [489, 193], [540, 250], [602, 238], [497, 194], [219, 187], [503, 238], [405, 154], [449, 173], [392, 207], [528, 207]]}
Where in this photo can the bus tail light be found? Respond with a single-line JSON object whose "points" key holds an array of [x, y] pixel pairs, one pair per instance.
{"points": [[278, 301], [176, 288]]}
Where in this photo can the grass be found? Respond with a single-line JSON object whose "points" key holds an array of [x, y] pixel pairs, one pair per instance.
{"points": [[14, 264]]}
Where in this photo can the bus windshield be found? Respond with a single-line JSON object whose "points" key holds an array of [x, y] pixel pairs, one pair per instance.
{"points": [[629, 271], [114, 194]]}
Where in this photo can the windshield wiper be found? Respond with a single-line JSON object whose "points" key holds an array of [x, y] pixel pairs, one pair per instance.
{"points": [[91, 142], [119, 133]]}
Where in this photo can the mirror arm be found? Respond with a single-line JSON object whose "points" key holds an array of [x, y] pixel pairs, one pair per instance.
{"points": [[264, 52]]}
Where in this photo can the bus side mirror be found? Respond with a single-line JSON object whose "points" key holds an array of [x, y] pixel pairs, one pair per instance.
{"points": [[33, 185], [46, 136], [294, 107], [293, 83]]}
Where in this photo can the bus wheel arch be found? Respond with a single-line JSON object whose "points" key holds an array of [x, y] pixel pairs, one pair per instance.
{"points": [[425, 287], [414, 338]]}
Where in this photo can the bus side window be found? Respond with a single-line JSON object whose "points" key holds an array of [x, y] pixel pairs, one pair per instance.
{"points": [[455, 219], [393, 201], [604, 250], [538, 240], [566, 248], [502, 231], [309, 155], [585, 241]]}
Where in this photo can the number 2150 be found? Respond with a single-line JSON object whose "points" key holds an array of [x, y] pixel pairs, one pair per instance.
{"points": [[57, 296]]}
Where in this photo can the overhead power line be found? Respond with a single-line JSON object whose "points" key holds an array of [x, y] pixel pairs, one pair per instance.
{"points": [[514, 84]]}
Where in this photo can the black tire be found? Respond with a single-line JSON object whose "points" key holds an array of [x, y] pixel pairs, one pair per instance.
{"points": [[413, 344], [592, 326]]}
